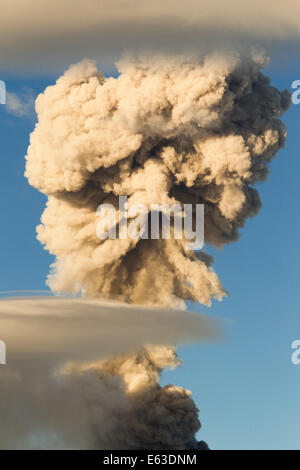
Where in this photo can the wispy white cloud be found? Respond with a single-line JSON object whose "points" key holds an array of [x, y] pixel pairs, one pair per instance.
{"points": [[20, 105]]}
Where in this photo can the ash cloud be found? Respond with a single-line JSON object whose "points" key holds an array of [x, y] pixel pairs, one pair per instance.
{"points": [[166, 130]]}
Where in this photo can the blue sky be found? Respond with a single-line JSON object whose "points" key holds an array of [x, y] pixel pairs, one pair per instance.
{"points": [[246, 386]]}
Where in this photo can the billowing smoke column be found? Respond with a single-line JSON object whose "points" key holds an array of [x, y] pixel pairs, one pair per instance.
{"points": [[140, 414], [165, 131]]}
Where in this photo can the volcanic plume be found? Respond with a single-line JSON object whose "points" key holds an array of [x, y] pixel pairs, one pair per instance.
{"points": [[166, 130]]}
